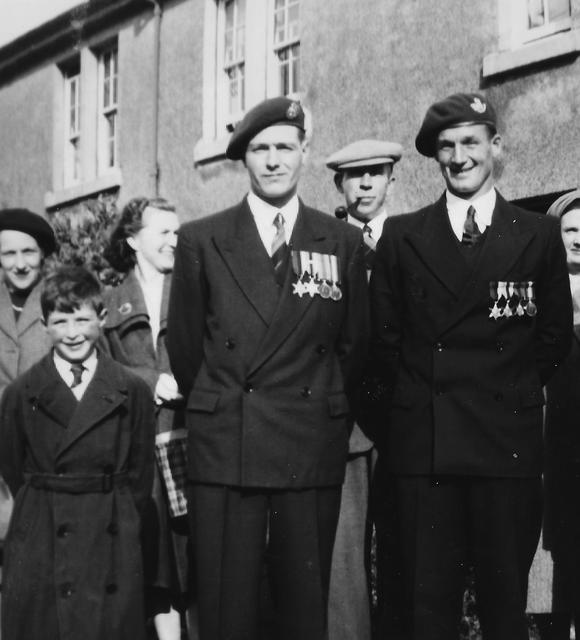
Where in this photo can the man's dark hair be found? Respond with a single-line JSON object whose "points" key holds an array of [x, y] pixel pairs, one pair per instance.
{"points": [[69, 288]]}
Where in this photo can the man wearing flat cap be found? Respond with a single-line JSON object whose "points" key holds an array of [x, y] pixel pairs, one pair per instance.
{"points": [[267, 330], [363, 174], [471, 316]]}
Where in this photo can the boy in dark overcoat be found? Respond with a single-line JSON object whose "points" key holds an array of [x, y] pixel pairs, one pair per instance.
{"points": [[77, 453]]}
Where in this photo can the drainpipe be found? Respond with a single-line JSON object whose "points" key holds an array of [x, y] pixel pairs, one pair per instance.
{"points": [[154, 163]]}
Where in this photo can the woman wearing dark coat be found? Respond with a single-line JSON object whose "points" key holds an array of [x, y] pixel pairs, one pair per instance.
{"points": [[561, 532], [142, 246]]}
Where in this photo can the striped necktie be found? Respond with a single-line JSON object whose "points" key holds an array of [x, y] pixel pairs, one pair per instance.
{"points": [[471, 232], [279, 248], [370, 246]]}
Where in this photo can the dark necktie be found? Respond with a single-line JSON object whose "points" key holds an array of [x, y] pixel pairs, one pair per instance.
{"points": [[77, 371], [279, 248], [370, 246], [471, 232]]}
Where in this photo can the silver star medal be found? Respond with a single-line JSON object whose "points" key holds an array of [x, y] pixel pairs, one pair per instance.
{"points": [[299, 288]]}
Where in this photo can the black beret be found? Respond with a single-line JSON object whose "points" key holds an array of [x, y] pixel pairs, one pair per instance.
{"points": [[31, 223], [280, 110], [455, 110]]}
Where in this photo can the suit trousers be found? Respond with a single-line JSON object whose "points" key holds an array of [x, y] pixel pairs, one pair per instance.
{"points": [[441, 526], [235, 531]]}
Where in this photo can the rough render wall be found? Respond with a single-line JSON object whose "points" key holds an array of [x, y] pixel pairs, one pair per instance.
{"points": [[26, 140]]}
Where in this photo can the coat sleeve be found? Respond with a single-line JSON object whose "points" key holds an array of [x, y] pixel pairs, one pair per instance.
{"points": [[141, 461], [386, 330], [12, 439], [554, 327], [353, 341], [186, 313]]}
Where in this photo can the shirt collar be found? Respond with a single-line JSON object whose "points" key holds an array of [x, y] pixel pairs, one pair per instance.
{"points": [[264, 213], [63, 366], [376, 224], [457, 210]]}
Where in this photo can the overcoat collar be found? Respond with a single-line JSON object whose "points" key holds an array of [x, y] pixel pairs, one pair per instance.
{"points": [[126, 304], [48, 393], [30, 313], [437, 248], [243, 251]]}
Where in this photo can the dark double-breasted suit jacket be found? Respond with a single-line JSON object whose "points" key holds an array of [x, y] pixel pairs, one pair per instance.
{"points": [[266, 372], [462, 389]]}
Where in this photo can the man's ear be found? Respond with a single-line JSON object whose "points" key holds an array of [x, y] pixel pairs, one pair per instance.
{"points": [[338, 181]]}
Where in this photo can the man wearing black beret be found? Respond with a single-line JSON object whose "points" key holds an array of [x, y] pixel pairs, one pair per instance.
{"points": [[471, 315], [267, 330]]}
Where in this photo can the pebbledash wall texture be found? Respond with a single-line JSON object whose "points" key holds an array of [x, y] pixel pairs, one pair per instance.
{"points": [[368, 69]]}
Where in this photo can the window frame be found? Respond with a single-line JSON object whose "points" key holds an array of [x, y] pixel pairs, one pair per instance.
{"points": [[72, 169]]}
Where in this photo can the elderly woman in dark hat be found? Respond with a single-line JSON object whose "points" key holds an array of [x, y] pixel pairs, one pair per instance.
{"points": [[561, 533]]}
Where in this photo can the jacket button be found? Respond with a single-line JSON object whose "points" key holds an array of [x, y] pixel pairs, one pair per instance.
{"points": [[66, 590], [321, 349], [306, 392], [230, 343], [111, 588], [63, 531], [439, 346], [499, 347], [248, 388], [113, 528]]}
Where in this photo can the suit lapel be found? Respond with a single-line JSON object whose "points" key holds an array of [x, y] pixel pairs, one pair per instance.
{"points": [[308, 235], [105, 393], [437, 248], [243, 251], [503, 246], [48, 393]]}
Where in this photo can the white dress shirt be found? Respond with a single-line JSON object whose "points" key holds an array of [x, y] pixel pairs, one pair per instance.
{"points": [[457, 211], [264, 215], [376, 224], [64, 370], [151, 282]]}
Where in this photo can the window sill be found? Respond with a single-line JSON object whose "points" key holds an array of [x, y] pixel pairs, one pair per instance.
{"points": [[69, 195], [547, 48], [207, 150]]}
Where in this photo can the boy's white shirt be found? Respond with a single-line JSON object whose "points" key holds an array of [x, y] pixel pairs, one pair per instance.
{"points": [[64, 369]]}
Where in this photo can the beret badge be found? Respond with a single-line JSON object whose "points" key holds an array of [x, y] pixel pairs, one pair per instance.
{"points": [[293, 111], [125, 308], [478, 106]]}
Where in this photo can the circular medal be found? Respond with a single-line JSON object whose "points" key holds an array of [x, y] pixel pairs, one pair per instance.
{"points": [[336, 293], [325, 290], [531, 309]]}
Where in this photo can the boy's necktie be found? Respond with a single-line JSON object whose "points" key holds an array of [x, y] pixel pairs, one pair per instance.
{"points": [[77, 371], [471, 232]]}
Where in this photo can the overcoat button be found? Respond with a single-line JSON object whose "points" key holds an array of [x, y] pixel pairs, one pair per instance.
{"points": [[66, 590], [439, 346], [321, 349], [306, 392], [63, 531], [248, 388], [113, 528], [230, 343], [111, 588], [499, 347]]}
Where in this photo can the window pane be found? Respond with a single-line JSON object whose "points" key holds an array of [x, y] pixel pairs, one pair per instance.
{"points": [[536, 13], [296, 68], [279, 27], [230, 14], [558, 9], [280, 4]]}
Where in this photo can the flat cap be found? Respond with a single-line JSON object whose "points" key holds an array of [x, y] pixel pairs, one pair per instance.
{"points": [[453, 111], [365, 153], [280, 110], [31, 223]]}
